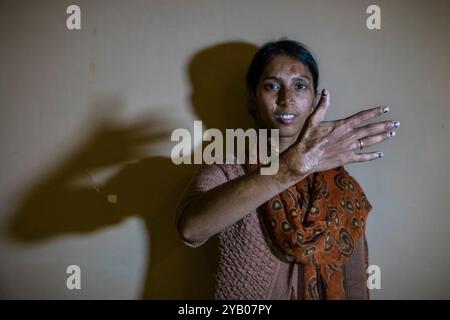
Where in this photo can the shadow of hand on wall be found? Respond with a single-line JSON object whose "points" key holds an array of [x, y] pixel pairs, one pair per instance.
{"points": [[68, 201]]}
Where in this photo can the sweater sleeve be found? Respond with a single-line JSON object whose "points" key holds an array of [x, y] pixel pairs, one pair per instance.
{"points": [[208, 177], [355, 272]]}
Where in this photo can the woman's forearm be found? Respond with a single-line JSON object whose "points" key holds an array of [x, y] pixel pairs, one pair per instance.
{"points": [[216, 209]]}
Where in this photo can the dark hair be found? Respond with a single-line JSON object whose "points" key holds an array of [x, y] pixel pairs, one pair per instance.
{"points": [[270, 50]]}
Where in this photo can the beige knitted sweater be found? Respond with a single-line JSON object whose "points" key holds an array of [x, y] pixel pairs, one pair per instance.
{"points": [[249, 265]]}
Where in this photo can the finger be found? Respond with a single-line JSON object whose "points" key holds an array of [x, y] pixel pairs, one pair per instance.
{"points": [[365, 115], [319, 112], [363, 157], [377, 138], [375, 128]]}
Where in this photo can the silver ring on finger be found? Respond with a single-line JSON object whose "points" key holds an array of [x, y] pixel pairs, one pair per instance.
{"points": [[361, 144]]}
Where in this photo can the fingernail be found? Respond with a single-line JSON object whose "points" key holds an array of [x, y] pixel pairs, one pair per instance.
{"points": [[397, 124], [324, 92], [380, 154], [392, 134], [384, 109]]}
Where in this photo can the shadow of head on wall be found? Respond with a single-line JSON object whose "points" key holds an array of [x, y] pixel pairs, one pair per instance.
{"points": [[67, 200], [217, 76]]}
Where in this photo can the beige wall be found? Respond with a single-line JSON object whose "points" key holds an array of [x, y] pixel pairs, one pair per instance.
{"points": [[171, 62]]}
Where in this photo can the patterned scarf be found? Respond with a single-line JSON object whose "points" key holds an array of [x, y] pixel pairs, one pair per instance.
{"points": [[317, 222]]}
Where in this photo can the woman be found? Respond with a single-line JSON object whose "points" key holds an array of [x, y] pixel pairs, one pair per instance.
{"points": [[298, 234]]}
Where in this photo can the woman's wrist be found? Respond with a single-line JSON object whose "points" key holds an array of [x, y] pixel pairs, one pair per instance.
{"points": [[290, 173]]}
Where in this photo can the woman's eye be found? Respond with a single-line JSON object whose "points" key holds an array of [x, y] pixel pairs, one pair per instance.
{"points": [[301, 87], [272, 86]]}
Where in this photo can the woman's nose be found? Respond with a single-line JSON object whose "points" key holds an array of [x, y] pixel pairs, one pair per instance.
{"points": [[284, 98]]}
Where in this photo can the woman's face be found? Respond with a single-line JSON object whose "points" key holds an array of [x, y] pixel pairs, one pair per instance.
{"points": [[284, 96]]}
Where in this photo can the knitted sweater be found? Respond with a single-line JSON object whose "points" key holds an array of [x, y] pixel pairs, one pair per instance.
{"points": [[249, 265]]}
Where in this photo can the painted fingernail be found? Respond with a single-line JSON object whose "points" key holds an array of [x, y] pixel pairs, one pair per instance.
{"points": [[397, 124], [384, 109], [392, 134], [380, 154]]}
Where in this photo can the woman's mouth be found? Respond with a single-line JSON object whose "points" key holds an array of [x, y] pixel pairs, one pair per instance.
{"points": [[285, 118]]}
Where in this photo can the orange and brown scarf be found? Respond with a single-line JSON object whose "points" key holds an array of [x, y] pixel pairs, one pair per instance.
{"points": [[317, 222]]}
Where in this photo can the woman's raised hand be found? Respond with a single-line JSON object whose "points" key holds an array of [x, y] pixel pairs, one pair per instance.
{"points": [[324, 145]]}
